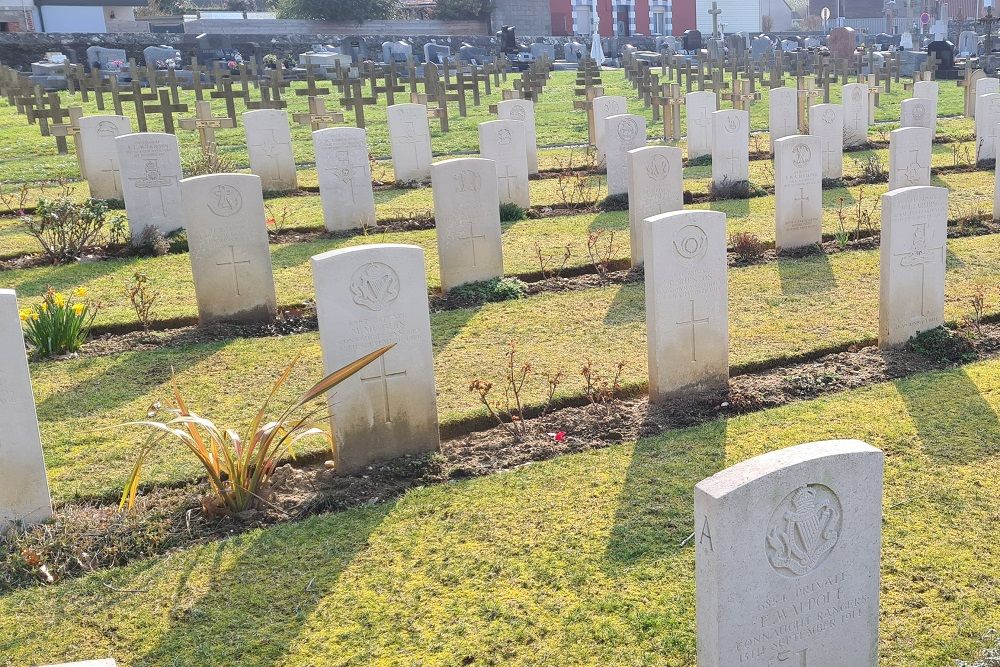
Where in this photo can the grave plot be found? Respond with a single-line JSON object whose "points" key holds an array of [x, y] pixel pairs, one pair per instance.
{"points": [[592, 398]]}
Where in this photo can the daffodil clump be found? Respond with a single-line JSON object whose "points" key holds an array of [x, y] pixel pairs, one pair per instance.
{"points": [[60, 323]]}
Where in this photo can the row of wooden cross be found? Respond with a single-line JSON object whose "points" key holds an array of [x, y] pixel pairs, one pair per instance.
{"points": [[152, 91]]}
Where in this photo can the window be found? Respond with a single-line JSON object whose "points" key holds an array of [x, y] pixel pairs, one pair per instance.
{"points": [[584, 22], [659, 20]]}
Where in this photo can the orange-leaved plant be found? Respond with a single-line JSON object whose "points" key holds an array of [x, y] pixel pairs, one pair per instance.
{"points": [[239, 467]]}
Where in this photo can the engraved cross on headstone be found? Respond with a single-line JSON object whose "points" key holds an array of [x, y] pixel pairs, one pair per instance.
{"points": [[384, 378], [233, 262], [693, 322]]}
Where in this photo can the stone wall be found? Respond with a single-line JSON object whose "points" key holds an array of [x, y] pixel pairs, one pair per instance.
{"points": [[375, 28], [529, 17]]}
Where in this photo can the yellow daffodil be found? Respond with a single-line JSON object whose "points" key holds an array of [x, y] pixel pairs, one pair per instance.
{"points": [[34, 317], [80, 292], [59, 300], [25, 314], [44, 306], [78, 309]]}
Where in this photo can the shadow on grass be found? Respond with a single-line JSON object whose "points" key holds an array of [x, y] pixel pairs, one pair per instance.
{"points": [[954, 423], [448, 324], [806, 275], [628, 305], [656, 505], [260, 590]]}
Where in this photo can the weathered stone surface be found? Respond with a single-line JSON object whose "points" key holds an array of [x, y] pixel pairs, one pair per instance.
{"points": [[700, 107], [269, 143], [917, 112], [24, 489], [230, 257], [826, 121], [730, 147], [623, 133], [410, 141], [687, 306], [912, 262], [798, 191], [150, 164], [503, 142], [783, 118], [855, 96], [467, 220], [367, 297], [345, 177], [100, 155], [787, 551], [604, 107], [655, 186], [524, 111], [909, 157], [987, 117]]}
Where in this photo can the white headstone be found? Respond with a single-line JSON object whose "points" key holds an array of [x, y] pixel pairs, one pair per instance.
{"points": [[917, 112], [783, 119], [655, 186], [24, 489], [996, 190], [928, 90], [605, 107], [269, 143], [367, 297], [798, 191], [230, 258], [987, 85], [787, 551], [912, 262], [987, 117], [687, 304], [623, 133], [524, 111], [855, 114], [345, 177], [100, 155], [700, 107], [467, 220], [150, 164], [909, 157], [410, 141], [826, 121], [730, 146], [502, 142]]}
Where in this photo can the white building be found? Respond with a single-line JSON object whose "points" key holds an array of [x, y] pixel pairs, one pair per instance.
{"points": [[71, 16], [746, 15]]}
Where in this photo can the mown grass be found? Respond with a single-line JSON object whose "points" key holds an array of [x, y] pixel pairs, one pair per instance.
{"points": [[778, 311], [580, 560], [171, 274], [25, 155]]}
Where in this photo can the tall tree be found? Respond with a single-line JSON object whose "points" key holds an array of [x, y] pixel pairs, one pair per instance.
{"points": [[450, 10]]}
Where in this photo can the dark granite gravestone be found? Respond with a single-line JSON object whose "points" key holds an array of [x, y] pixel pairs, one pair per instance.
{"points": [[692, 40]]}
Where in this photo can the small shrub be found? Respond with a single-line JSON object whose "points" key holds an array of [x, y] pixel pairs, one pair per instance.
{"points": [[64, 228], [178, 241], [943, 345], [152, 242], [547, 263], [277, 219], [747, 246], [511, 212], [618, 202], [873, 168], [119, 233], [142, 297], [490, 291], [59, 324], [700, 161], [14, 198], [601, 248], [209, 161], [239, 467], [734, 190], [577, 181], [599, 389]]}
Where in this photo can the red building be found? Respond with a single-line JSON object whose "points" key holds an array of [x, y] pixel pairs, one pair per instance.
{"points": [[622, 18]]}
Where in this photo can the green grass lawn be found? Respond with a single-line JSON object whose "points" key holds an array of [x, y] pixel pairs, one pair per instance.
{"points": [[25, 155], [778, 311], [574, 561], [171, 274]]}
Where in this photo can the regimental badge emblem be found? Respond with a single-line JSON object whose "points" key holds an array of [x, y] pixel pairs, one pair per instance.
{"points": [[468, 181], [106, 128], [658, 168], [829, 115], [801, 155], [504, 137], [628, 130], [518, 112], [804, 529], [919, 111], [856, 95], [374, 286], [225, 201], [732, 124], [691, 242]]}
